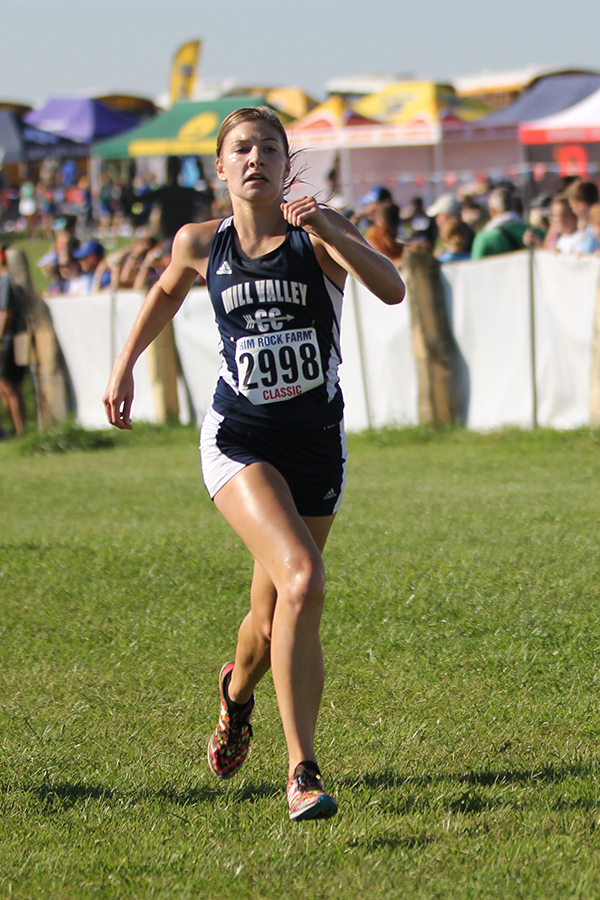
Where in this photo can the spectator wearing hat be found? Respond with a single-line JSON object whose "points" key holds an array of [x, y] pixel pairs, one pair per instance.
{"points": [[368, 205], [95, 274], [445, 210]]}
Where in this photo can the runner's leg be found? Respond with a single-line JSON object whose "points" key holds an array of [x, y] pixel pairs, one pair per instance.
{"points": [[258, 504]]}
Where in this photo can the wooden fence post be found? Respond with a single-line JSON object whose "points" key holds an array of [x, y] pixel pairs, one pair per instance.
{"points": [[431, 338], [163, 367]]}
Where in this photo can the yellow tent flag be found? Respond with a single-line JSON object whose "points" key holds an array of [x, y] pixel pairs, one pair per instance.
{"points": [[183, 72]]}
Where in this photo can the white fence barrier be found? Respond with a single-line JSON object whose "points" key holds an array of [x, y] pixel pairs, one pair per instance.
{"points": [[489, 310]]}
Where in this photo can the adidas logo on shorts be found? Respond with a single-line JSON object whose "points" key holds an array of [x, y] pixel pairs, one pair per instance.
{"points": [[330, 495], [224, 269]]}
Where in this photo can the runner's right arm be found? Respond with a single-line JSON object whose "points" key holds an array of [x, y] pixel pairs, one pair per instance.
{"points": [[188, 259]]}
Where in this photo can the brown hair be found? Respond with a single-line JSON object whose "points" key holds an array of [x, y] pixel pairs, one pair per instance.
{"points": [[454, 234], [252, 114], [583, 191], [258, 114]]}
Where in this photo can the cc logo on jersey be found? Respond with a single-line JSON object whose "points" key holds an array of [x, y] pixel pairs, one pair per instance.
{"points": [[266, 320]]}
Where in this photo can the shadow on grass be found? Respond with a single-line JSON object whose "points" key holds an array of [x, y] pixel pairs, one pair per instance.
{"points": [[67, 795], [389, 778], [392, 842]]}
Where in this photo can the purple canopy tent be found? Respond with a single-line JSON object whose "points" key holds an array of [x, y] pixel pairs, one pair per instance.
{"points": [[80, 119], [20, 143]]}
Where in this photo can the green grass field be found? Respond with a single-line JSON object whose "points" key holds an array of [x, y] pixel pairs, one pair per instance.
{"points": [[460, 721]]}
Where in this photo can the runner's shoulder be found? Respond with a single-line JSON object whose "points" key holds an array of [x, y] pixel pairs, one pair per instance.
{"points": [[192, 242]]}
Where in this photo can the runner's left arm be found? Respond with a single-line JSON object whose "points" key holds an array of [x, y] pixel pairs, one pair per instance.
{"points": [[346, 248]]}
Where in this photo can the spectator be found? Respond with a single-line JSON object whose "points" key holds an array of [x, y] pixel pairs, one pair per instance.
{"points": [[175, 205], [595, 221], [417, 228], [95, 274], [455, 236], [472, 214], [153, 265], [582, 195], [539, 212], [336, 199], [364, 216], [125, 263], [382, 235], [12, 322], [505, 231], [448, 209], [562, 234]]}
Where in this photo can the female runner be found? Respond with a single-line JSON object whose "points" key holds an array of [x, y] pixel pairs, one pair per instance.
{"points": [[272, 444]]}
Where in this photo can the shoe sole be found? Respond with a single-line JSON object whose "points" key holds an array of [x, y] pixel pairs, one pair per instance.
{"points": [[324, 808]]}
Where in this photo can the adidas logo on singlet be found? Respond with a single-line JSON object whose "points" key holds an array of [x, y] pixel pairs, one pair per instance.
{"points": [[224, 268]]}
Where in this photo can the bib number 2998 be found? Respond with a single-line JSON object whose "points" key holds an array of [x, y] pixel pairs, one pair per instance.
{"points": [[278, 366]]}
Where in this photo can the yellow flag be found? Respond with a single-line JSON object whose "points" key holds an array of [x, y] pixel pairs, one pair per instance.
{"points": [[183, 72]]}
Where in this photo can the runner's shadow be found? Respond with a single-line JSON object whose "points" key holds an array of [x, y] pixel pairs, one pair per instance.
{"points": [[391, 778], [66, 795]]}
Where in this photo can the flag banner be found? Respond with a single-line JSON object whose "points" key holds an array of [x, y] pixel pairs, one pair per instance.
{"points": [[183, 72]]}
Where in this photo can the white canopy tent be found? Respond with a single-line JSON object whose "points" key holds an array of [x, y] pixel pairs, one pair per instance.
{"points": [[577, 124]]}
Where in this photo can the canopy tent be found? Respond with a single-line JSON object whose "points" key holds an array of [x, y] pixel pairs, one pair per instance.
{"points": [[567, 143], [187, 129], [325, 124], [24, 143], [416, 102], [545, 97], [290, 102], [80, 119], [396, 137], [500, 89], [579, 123], [548, 94]]}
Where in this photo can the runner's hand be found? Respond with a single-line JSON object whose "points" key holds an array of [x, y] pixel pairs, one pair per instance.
{"points": [[118, 398], [306, 213]]}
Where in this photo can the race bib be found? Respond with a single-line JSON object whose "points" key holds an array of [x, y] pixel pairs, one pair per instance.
{"points": [[278, 366]]}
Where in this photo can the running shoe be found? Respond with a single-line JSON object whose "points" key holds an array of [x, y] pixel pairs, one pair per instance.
{"points": [[306, 796], [228, 747]]}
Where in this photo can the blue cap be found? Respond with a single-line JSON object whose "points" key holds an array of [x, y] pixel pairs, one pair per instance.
{"points": [[90, 248], [375, 195]]}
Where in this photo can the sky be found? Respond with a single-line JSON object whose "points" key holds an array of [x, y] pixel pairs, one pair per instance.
{"points": [[62, 47]]}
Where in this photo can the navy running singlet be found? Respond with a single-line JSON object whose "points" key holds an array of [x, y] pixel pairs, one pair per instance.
{"points": [[279, 321]]}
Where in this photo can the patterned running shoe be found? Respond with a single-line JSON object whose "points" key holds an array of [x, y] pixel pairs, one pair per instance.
{"points": [[228, 747], [306, 796]]}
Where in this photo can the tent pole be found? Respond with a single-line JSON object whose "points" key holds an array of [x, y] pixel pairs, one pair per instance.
{"points": [[531, 252], [345, 155]]}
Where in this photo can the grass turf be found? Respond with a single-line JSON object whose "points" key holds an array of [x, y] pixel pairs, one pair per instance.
{"points": [[459, 725]]}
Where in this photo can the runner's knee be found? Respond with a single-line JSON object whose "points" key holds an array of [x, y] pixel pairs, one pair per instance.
{"points": [[305, 588]]}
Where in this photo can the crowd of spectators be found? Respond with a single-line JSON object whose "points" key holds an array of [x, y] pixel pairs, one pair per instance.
{"points": [[463, 226], [89, 254], [468, 224]]}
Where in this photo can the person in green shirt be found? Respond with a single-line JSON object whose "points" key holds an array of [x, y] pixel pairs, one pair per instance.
{"points": [[505, 230]]}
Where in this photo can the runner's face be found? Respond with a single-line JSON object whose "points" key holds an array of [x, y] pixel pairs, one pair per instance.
{"points": [[253, 161]]}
